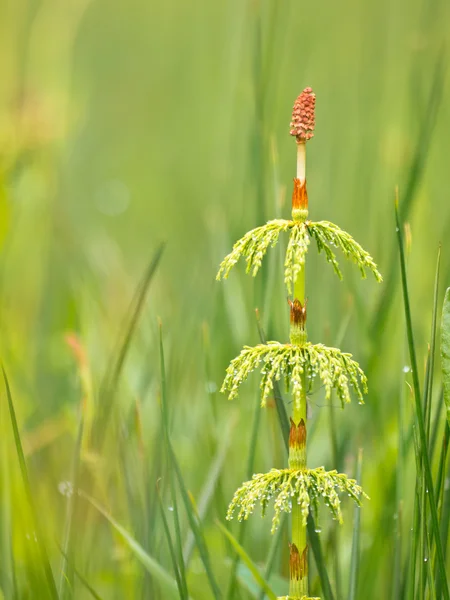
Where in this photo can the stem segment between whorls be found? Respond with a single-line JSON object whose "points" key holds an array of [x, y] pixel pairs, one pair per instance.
{"points": [[297, 439]]}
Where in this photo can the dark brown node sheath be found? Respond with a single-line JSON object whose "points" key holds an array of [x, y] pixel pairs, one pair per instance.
{"points": [[297, 435], [298, 313], [303, 116], [298, 563], [299, 195]]}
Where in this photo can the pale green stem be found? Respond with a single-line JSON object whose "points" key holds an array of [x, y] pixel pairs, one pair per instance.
{"points": [[301, 162], [299, 587]]}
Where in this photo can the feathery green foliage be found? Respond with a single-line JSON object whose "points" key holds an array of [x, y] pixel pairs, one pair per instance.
{"points": [[292, 362], [253, 247], [328, 234], [285, 486], [254, 244]]}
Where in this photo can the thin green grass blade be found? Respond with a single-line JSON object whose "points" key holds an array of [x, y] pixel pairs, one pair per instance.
{"points": [[198, 534], [442, 463], [110, 383], [416, 171], [445, 519], [192, 517], [274, 547], [420, 420], [434, 439], [248, 562], [147, 472], [426, 564], [173, 492], [411, 583], [166, 582], [445, 351], [416, 530], [251, 463], [431, 593], [319, 559], [400, 571], [440, 494], [428, 388], [82, 578], [26, 482], [66, 582], [337, 454], [423, 566], [87, 585], [211, 483], [8, 568], [354, 564], [249, 473], [182, 588]]}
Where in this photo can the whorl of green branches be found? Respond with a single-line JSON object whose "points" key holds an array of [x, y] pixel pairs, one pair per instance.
{"points": [[254, 244], [284, 486], [297, 364]]}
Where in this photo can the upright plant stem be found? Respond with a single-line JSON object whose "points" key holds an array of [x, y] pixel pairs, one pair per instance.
{"points": [[297, 441]]}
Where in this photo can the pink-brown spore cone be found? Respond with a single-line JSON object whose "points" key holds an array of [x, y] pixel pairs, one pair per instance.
{"points": [[303, 116]]}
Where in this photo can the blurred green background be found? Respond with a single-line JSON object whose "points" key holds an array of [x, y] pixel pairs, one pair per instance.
{"points": [[127, 124]]}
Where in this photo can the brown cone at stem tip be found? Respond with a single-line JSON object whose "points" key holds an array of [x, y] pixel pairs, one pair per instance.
{"points": [[299, 195], [297, 435], [298, 313], [298, 564], [303, 116]]}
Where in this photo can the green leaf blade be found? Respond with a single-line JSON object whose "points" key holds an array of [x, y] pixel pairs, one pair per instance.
{"points": [[445, 351]]}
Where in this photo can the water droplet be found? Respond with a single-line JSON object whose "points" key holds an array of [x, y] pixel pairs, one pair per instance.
{"points": [[406, 369], [170, 508]]}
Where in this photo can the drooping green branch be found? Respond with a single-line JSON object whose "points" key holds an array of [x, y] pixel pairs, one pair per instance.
{"points": [[253, 246], [293, 363], [282, 486], [255, 243], [328, 234]]}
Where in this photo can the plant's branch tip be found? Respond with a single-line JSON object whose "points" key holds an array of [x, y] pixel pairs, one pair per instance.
{"points": [[303, 116], [159, 321]]}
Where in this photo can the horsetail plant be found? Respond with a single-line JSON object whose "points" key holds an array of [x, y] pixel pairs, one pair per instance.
{"points": [[297, 489]]}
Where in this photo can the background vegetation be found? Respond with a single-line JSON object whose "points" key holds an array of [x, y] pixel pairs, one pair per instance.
{"points": [[126, 124]]}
